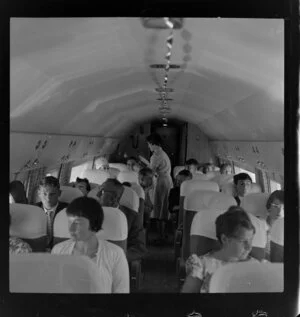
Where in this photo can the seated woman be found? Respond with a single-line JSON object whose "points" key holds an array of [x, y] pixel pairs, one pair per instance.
{"points": [[17, 193], [225, 169], [83, 185], [235, 232], [17, 245], [85, 216]]}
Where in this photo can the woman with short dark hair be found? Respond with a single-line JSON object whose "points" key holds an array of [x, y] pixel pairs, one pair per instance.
{"points": [[85, 217]]}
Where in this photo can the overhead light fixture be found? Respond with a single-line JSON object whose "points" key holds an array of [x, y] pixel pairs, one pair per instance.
{"points": [[161, 99], [161, 89], [165, 124], [160, 23], [163, 66]]}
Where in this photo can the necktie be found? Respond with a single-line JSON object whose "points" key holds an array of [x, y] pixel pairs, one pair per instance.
{"points": [[49, 225]]}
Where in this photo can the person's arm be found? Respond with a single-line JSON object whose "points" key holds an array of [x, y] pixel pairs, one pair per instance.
{"points": [[191, 285], [120, 273], [195, 270]]}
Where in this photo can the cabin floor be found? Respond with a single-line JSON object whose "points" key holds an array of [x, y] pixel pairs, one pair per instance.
{"points": [[159, 266]]}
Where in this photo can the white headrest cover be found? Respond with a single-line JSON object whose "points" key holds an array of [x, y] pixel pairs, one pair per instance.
{"points": [[177, 169], [113, 172], [248, 277], [255, 188], [223, 179], [202, 199], [130, 199], [277, 232], [256, 204], [191, 185], [51, 273], [96, 176], [69, 193], [27, 221], [211, 175], [114, 225], [128, 176], [204, 225], [120, 166], [60, 225], [93, 193], [228, 189], [138, 189]]}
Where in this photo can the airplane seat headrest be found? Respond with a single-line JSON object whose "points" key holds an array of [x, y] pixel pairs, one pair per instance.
{"points": [[130, 199], [248, 277], [277, 232], [60, 225], [228, 189], [256, 204], [120, 166], [113, 172], [52, 273], [96, 176], [202, 199], [128, 176], [93, 193], [255, 188], [68, 194], [93, 185], [177, 169], [139, 190], [211, 175], [191, 185], [223, 179]]}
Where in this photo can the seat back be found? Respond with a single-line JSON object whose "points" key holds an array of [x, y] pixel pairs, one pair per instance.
{"points": [[96, 176], [114, 227], [128, 176], [30, 224], [93, 193], [223, 179], [228, 189], [69, 193], [197, 201], [177, 169], [277, 232], [51, 273], [113, 172], [255, 188], [120, 166], [248, 277], [61, 227], [256, 204], [130, 199]]}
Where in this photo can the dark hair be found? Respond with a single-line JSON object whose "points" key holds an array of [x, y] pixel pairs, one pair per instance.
{"points": [[230, 221], [126, 184], [191, 161], [223, 167], [88, 208], [84, 180], [154, 139], [185, 173], [146, 171], [116, 183], [49, 181], [241, 177], [277, 194], [17, 190]]}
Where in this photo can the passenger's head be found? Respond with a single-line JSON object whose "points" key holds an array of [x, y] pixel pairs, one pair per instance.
{"points": [[226, 169], [110, 193], [83, 185], [183, 176], [49, 191], [85, 217], [146, 177], [154, 141], [131, 162], [101, 163], [243, 184], [191, 165], [207, 167], [235, 232], [17, 193], [275, 205]]}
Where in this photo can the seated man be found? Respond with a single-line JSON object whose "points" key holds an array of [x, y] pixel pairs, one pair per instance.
{"points": [[109, 195], [191, 165], [49, 192], [174, 195], [243, 183], [83, 185]]}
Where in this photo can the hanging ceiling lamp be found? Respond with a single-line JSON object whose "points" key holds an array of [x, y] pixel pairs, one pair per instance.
{"points": [[160, 23]]}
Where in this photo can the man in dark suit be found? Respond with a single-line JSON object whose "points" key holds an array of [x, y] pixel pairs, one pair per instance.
{"points": [[49, 192]]}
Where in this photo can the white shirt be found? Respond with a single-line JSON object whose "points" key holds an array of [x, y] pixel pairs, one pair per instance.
{"points": [[277, 232], [111, 261]]}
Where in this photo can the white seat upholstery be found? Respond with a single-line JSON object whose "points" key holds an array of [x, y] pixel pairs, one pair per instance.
{"points": [[177, 169], [130, 199], [191, 185], [248, 277], [120, 166], [60, 225], [128, 176], [27, 221], [223, 179], [93, 193], [277, 232], [96, 176], [139, 190], [228, 189], [211, 175], [201, 199], [49, 273], [255, 188], [113, 172], [69, 193], [256, 204]]}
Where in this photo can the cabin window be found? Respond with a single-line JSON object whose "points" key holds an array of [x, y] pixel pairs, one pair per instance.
{"points": [[78, 170], [53, 173], [238, 170], [274, 186]]}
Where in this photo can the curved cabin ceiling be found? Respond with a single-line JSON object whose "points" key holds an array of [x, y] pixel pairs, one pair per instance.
{"points": [[91, 76]]}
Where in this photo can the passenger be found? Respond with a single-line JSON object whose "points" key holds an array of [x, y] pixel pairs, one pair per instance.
{"points": [[49, 192], [225, 169], [101, 163], [174, 195], [191, 165], [161, 165], [17, 245], [243, 183], [146, 180], [85, 217], [235, 233], [133, 164], [17, 193], [109, 195], [83, 185], [207, 167]]}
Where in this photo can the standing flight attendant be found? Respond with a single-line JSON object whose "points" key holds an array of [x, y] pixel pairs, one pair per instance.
{"points": [[161, 165]]}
